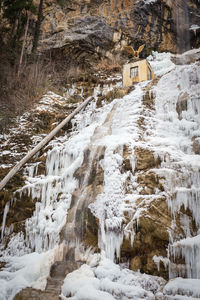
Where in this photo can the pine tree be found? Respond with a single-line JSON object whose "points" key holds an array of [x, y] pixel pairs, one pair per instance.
{"points": [[16, 11], [12, 8]]}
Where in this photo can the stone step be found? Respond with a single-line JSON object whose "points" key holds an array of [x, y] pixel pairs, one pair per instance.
{"points": [[58, 272], [30, 293], [52, 291], [59, 269]]}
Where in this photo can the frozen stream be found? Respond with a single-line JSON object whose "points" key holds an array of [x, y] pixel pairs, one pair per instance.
{"points": [[170, 136]]}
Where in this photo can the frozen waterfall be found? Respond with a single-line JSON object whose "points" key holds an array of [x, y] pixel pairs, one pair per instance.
{"points": [[170, 130]]}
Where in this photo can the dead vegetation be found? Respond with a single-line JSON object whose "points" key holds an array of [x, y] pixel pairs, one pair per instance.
{"points": [[40, 73], [108, 65], [111, 95], [19, 92]]}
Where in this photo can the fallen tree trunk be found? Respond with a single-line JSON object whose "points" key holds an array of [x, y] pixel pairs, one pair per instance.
{"points": [[30, 154]]}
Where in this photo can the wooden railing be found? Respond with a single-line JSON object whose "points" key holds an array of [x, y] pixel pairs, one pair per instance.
{"points": [[30, 154]]}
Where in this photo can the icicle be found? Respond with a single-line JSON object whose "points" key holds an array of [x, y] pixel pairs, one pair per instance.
{"points": [[6, 210], [189, 249], [158, 259], [113, 242]]}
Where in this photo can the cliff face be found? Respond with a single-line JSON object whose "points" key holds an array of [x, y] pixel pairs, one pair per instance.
{"points": [[105, 27]]}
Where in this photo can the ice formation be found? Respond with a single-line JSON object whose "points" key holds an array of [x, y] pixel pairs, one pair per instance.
{"points": [[170, 131], [149, 1], [107, 280], [109, 205], [194, 28], [173, 142], [54, 190], [159, 259]]}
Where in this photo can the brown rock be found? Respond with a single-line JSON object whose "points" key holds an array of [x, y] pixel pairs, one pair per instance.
{"points": [[145, 159], [135, 263], [131, 22], [181, 104], [196, 146]]}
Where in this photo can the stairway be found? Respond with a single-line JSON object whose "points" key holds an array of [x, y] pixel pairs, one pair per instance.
{"points": [[53, 288]]}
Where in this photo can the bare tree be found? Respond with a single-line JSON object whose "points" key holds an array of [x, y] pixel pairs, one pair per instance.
{"points": [[37, 27], [23, 44]]}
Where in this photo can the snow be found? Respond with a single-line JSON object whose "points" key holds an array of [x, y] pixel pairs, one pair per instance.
{"points": [[194, 28], [23, 125], [149, 1], [5, 152], [184, 287], [161, 63], [30, 270], [5, 166], [83, 284], [108, 281]]}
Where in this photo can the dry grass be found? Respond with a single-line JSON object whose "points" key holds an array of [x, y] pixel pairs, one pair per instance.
{"points": [[20, 92], [111, 95], [64, 74], [111, 66]]}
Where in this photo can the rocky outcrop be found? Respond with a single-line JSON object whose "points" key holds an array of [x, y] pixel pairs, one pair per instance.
{"points": [[150, 231], [102, 28]]}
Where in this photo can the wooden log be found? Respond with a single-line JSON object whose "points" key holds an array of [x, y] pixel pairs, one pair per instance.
{"points": [[30, 154]]}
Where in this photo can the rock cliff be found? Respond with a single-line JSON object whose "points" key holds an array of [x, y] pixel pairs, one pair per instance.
{"points": [[86, 30]]}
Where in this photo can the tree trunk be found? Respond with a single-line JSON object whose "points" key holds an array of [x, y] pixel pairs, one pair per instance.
{"points": [[13, 30], [0, 7], [37, 28], [23, 45], [22, 162]]}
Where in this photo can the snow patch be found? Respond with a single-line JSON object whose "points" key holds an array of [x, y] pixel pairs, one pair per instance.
{"points": [[183, 287], [108, 281], [161, 62], [30, 270], [194, 28]]}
